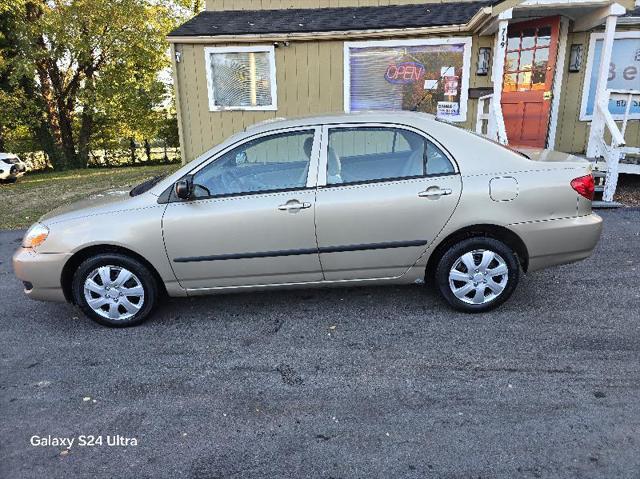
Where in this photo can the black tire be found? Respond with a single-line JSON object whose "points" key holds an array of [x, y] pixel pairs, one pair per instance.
{"points": [[141, 274], [451, 257]]}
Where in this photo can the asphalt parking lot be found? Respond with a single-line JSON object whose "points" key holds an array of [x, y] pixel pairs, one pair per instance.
{"points": [[337, 383]]}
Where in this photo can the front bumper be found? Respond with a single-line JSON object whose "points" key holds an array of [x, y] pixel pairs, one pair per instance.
{"points": [[41, 273], [12, 171], [559, 241]]}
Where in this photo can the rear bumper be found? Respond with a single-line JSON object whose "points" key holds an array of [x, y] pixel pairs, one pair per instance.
{"points": [[560, 241], [41, 273]]}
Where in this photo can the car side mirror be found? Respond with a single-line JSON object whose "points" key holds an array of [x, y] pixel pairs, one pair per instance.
{"points": [[184, 188]]}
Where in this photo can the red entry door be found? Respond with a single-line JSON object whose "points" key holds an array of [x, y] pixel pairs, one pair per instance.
{"points": [[529, 68]]}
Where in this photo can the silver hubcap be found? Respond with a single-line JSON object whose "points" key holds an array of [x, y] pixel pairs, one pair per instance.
{"points": [[479, 276], [114, 292]]}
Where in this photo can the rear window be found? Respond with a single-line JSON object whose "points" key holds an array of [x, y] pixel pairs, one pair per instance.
{"points": [[365, 154]]}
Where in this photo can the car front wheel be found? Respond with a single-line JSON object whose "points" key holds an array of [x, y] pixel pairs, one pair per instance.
{"points": [[477, 274], [115, 290]]}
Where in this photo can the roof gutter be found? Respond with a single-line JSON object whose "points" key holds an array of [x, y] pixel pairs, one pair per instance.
{"points": [[472, 25]]}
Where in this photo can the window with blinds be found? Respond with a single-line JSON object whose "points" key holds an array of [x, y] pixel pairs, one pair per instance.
{"points": [[426, 75], [241, 78]]}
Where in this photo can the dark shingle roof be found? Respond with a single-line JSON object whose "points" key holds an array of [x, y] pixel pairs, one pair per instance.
{"points": [[239, 22]]}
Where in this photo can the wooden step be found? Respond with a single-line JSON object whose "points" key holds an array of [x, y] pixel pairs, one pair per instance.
{"points": [[605, 204]]}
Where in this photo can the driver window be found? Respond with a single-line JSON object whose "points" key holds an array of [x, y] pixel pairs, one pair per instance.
{"points": [[275, 162]]}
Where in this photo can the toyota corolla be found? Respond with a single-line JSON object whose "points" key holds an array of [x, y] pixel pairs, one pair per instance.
{"points": [[366, 198]]}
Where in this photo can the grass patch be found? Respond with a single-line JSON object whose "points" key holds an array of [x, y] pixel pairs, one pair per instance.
{"points": [[22, 203]]}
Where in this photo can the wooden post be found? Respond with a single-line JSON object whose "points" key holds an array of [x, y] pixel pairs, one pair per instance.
{"points": [[497, 75], [596, 134]]}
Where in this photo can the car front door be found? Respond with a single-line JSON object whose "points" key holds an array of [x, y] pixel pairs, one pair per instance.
{"points": [[384, 193], [251, 217]]}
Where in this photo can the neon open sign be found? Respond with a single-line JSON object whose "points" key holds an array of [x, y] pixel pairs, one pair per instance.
{"points": [[404, 73]]}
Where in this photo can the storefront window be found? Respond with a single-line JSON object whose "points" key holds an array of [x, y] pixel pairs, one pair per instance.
{"points": [[430, 76], [241, 78], [624, 74]]}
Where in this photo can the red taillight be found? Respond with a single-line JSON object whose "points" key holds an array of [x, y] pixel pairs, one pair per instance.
{"points": [[584, 185]]}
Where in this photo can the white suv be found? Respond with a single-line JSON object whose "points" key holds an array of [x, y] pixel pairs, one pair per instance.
{"points": [[11, 167]]}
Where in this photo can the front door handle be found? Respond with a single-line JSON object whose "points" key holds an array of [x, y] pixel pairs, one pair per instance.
{"points": [[294, 205], [434, 192]]}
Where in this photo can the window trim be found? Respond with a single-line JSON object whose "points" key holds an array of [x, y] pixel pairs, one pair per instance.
{"points": [[311, 173], [466, 66], [322, 163], [269, 49]]}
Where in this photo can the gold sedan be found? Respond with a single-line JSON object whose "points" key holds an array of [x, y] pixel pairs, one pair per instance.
{"points": [[365, 198]]}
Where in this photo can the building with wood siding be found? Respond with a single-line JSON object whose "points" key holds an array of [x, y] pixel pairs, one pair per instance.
{"points": [[245, 61]]}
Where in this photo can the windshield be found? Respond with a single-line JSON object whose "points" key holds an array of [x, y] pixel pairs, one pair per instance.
{"points": [[146, 185]]}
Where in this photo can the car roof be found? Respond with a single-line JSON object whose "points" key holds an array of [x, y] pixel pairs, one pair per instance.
{"points": [[7, 155], [402, 117]]}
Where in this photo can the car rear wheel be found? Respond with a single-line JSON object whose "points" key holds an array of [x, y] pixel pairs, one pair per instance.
{"points": [[477, 274], [115, 290]]}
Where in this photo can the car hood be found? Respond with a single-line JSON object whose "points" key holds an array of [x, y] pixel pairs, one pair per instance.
{"points": [[103, 202]]}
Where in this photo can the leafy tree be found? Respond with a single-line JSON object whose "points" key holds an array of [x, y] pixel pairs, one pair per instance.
{"points": [[86, 70]]}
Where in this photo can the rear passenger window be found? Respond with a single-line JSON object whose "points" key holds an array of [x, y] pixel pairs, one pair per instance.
{"points": [[437, 162], [376, 153]]}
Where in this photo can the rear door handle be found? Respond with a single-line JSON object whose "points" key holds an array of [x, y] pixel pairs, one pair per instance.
{"points": [[294, 205], [434, 192]]}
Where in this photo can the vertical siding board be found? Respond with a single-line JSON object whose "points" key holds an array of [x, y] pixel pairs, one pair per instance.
{"points": [[562, 106], [200, 97], [181, 111], [281, 79], [337, 74], [576, 130], [313, 90], [212, 121], [324, 75], [190, 92], [185, 105], [579, 129], [290, 81], [302, 79]]}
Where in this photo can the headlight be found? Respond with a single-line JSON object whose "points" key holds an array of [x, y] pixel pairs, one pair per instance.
{"points": [[36, 235]]}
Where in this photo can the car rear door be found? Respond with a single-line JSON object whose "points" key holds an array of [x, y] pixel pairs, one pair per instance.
{"points": [[384, 193], [252, 219]]}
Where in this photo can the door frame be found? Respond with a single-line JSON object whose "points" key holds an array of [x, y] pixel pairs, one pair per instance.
{"points": [[557, 53], [563, 38]]}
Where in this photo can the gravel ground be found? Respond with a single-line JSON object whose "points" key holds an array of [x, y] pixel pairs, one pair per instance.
{"points": [[364, 382], [628, 191]]}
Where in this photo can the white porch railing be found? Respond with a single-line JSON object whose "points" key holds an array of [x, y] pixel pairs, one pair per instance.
{"points": [[489, 119], [616, 150]]}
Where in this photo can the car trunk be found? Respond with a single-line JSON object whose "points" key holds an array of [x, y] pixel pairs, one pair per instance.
{"points": [[576, 166]]}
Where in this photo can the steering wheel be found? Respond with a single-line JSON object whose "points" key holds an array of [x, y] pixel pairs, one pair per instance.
{"points": [[235, 183]]}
